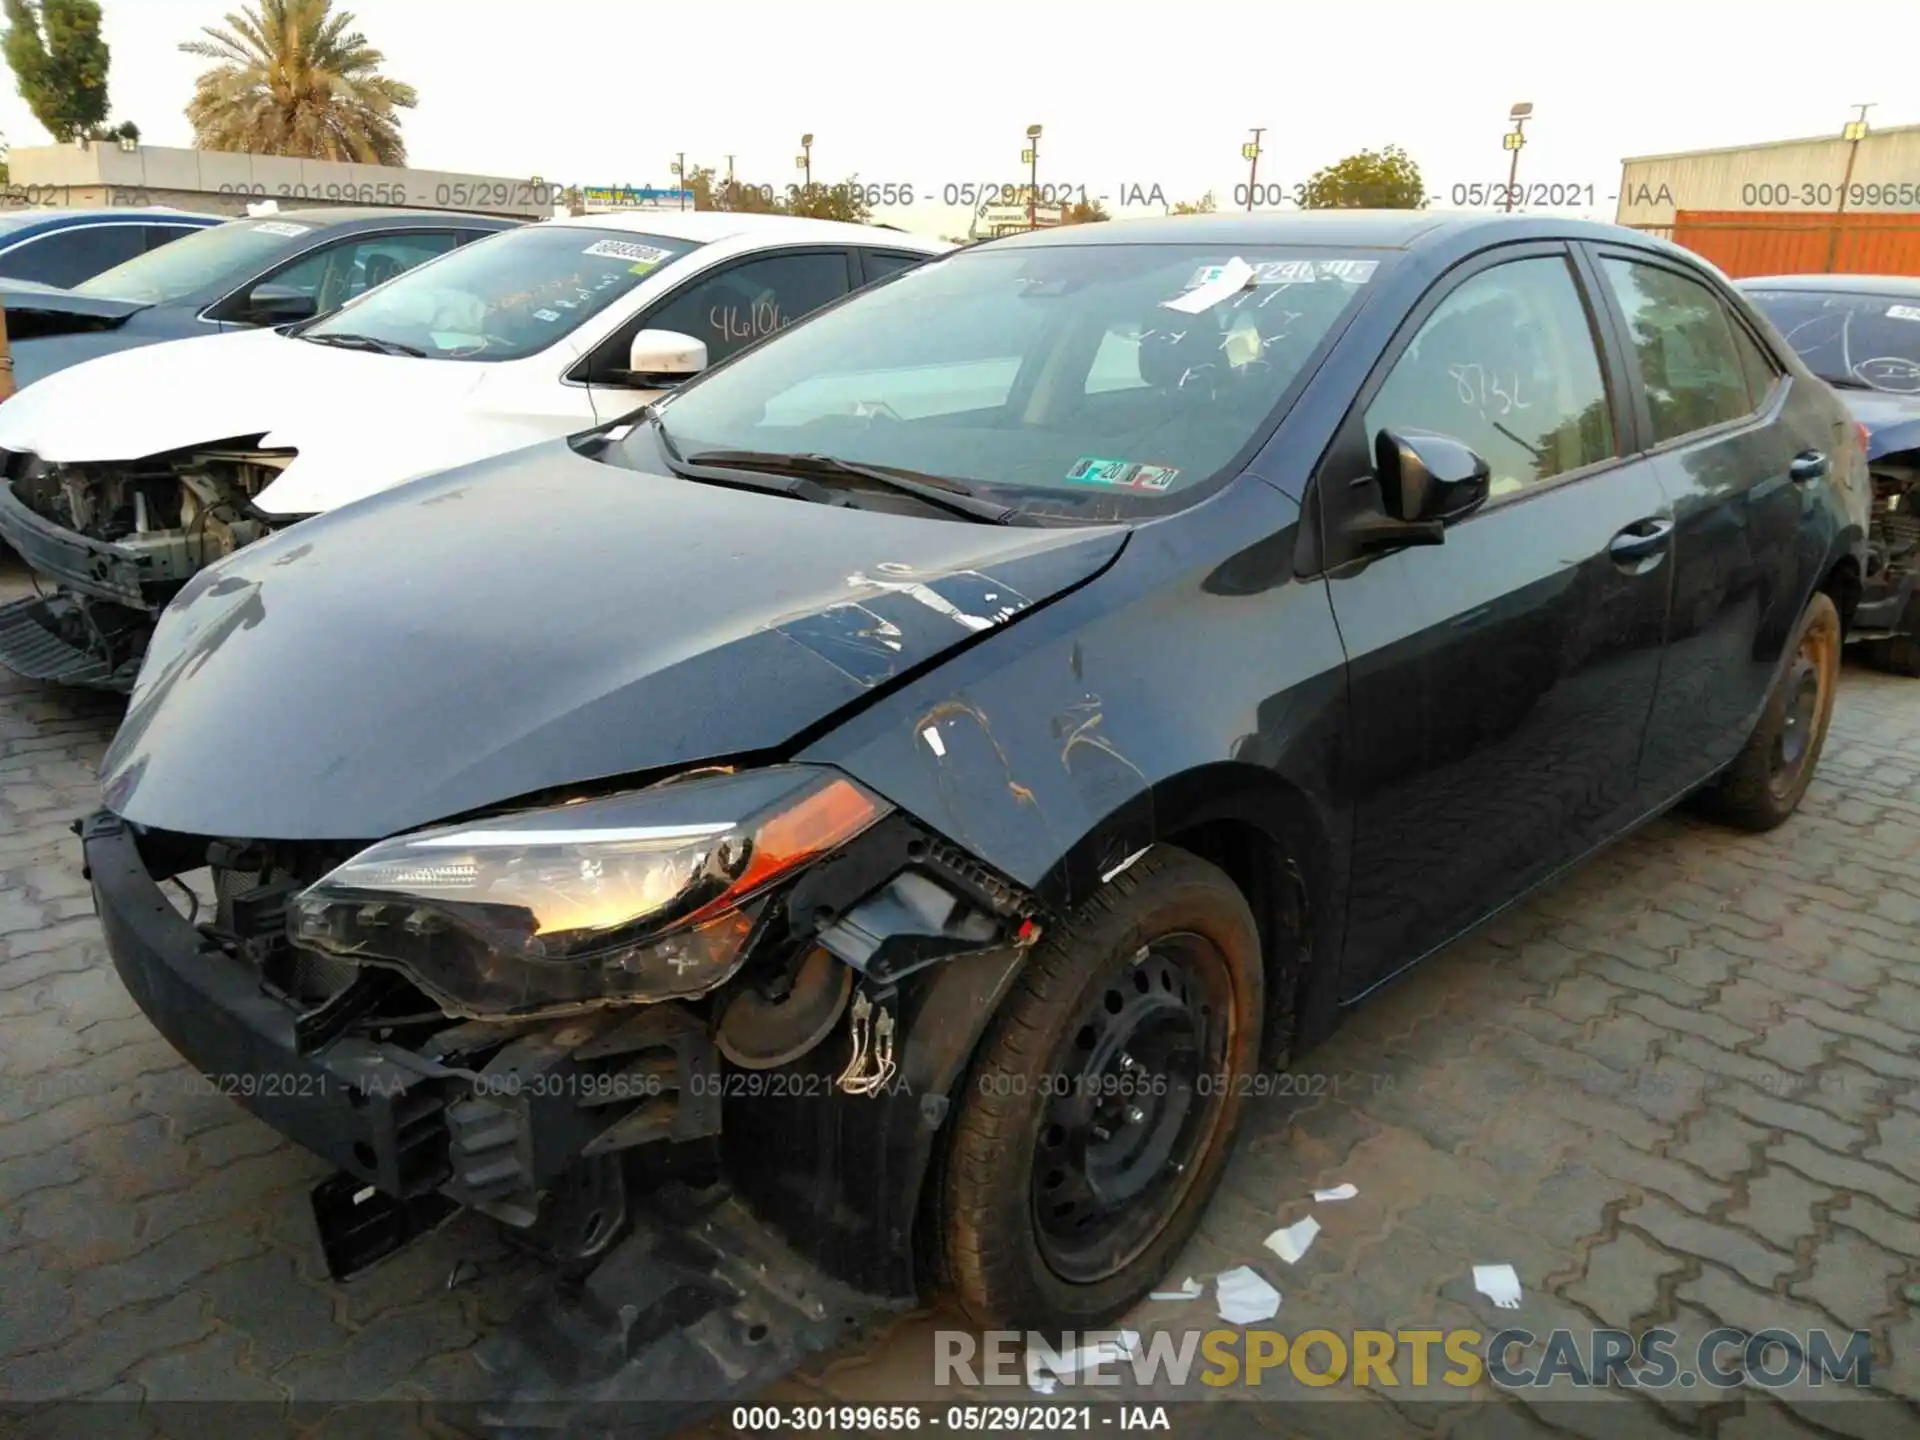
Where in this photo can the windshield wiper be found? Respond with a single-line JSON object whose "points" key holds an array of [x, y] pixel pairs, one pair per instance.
{"points": [[796, 486], [939, 490], [365, 342]]}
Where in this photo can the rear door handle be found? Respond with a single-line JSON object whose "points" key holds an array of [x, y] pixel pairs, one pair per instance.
{"points": [[1641, 539], [1807, 465]]}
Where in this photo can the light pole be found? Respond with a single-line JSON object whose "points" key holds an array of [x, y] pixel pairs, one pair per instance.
{"points": [[680, 178], [1853, 133], [1032, 156], [1515, 138], [804, 161], [1250, 152]]}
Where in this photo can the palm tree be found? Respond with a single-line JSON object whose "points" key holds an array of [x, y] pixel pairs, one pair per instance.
{"points": [[295, 78]]}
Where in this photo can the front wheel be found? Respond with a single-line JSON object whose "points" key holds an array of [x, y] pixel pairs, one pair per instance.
{"points": [[1103, 1104], [1764, 784]]}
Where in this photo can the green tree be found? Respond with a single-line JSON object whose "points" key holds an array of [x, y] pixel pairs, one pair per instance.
{"points": [[1205, 205], [1368, 180], [59, 62], [1084, 212], [295, 78], [844, 201]]}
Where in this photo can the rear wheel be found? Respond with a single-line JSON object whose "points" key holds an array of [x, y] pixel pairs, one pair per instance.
{"points": [[1105, 1099], [1764, 784]]}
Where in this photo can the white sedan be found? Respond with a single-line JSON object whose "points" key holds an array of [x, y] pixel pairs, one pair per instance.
{"points": [[127, 474]]}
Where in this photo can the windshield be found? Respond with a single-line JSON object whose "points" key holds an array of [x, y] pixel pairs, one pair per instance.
{"points": [[1867, 342], [507, 296], [219, 256], [1123, 375]]}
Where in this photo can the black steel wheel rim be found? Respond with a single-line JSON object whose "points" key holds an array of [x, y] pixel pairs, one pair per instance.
{"points": [[1133, 1098], [1808, 680]]}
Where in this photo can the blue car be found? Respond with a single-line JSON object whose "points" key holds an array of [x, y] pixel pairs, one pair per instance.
{"points": [[65, 247], [269, 270], [1861, 334]]}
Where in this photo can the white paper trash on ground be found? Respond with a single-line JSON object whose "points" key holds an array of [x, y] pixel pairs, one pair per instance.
{"points": [[1499, 1284], [1044, 1371], [1190, 1289], [1291, 1243], [1245, 1297], [1338, 1192]]}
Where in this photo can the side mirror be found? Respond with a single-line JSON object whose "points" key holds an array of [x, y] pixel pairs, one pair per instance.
{"points": [[1426, 476], [665, 357], [277, 305]]}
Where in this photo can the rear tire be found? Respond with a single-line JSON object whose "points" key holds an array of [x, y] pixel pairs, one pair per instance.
{"points": [[1103, 1104], [1767, 779]]}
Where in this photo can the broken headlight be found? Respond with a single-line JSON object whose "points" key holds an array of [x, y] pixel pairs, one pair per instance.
{"points": [[643, 896]]}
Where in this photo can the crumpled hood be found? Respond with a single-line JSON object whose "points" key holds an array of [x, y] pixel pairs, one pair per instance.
{"points": [[1892, 421], [365, 420], [536, 620]]}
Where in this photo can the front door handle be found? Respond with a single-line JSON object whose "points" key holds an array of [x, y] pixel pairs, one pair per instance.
{"points": [[1807, 465], [1641, 539]]}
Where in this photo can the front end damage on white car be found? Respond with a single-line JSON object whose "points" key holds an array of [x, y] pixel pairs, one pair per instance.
{"points": [[117, 540]]}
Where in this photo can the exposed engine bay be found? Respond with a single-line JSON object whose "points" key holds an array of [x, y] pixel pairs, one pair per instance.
{"points": [[119, 539], [175, 513], [1893, 541]]}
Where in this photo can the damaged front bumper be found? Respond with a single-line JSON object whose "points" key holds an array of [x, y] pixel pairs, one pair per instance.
{"points": [[79, 637], [695, 1261]]}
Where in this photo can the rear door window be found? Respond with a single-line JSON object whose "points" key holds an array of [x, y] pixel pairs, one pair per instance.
{"points": [[1682, 340]]}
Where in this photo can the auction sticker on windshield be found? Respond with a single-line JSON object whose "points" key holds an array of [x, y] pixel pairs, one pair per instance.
{"points": [[280, 227], [1903, 312], [627, 250], [1295, 272], [1091, 470]]}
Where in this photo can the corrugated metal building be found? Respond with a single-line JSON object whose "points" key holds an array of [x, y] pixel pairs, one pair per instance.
{"points": [[1787, 206]]}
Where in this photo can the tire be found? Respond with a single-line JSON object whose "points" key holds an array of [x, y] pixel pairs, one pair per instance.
{"points": [[1764, 784], [1173, 943]]}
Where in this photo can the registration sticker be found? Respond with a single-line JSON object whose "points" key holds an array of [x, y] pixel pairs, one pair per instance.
{"points": [[1294, 272], [281, 227], [1903, 312], [627, 250], [1091, 470], [548, 315]]}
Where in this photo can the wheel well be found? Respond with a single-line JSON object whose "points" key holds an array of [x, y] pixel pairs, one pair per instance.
{"points": [[1276, 892], [1842, 586]]}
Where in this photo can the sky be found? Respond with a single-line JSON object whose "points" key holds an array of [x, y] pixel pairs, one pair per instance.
{"points": [[1130, 97]]}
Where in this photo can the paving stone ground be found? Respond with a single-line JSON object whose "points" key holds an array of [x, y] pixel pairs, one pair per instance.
{"points": [[1680, 1088]]}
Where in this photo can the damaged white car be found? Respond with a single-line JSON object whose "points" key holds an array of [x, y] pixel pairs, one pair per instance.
{"points": [[122, 477]]}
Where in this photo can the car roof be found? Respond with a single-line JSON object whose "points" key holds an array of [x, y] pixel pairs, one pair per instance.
{"points": [[1347, 229], [110, 212], [710, 225], [347, 216], [1903, 285]]}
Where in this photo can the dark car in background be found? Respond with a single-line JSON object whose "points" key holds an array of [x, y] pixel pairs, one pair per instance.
{"points": [[267, 270], [64, 247], [1861, 334], [865, 823]]}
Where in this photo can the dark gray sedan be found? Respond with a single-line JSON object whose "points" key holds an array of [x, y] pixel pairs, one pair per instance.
{"points": [[268, 270]]}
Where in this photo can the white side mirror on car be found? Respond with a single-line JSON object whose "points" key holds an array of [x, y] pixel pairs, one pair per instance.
{"points": [[665, 357]]}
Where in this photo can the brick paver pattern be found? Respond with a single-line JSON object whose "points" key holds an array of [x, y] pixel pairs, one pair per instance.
{"points": [[1681, 1087]]}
